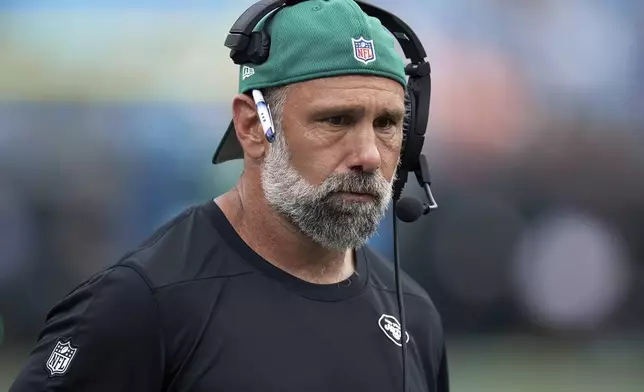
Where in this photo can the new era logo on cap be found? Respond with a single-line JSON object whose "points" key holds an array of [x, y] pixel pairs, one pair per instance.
{"points": [[363, 50], [247, 72]]}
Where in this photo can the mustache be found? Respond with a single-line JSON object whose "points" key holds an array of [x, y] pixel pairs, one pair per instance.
{"points": [[373, 184]]}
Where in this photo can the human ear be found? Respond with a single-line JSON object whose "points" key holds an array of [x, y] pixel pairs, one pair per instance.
{"points": [[248, 127]]}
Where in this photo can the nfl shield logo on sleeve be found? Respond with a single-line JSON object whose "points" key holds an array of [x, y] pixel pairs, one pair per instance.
{"points": [[363, 50], [60, 358]]}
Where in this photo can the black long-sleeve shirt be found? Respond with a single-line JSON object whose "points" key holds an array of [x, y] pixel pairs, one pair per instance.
{"points": [[196, 309]]}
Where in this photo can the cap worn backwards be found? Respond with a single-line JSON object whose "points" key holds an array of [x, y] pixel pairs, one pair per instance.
{"points": [[316, 39]]}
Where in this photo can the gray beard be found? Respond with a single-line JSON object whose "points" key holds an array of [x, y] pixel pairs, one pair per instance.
{"points": [[326, 218]]}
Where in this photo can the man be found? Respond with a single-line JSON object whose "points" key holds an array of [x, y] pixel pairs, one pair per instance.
{"points": [[269, 287]]}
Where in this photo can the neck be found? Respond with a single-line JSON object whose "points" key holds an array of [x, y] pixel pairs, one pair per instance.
{"points": [[278, 241]]}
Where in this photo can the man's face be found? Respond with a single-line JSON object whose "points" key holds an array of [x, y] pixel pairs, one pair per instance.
{"points": [[331, 167]]}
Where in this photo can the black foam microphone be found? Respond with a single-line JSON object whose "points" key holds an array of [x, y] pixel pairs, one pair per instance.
{"points": [[409, 209]]}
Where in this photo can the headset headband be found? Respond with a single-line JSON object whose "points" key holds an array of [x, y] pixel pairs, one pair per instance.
{"points": [[239, 35]]}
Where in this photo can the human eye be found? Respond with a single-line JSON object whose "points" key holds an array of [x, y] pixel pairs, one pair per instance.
{"points": [[338, 121], [385, 123]]}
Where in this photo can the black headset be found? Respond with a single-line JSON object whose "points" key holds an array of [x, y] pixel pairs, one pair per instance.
{"points": [[249, 46]]}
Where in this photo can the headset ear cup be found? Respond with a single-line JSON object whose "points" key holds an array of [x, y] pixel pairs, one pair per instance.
{"points": [[259, 47], [265, 46], [407, 124]]}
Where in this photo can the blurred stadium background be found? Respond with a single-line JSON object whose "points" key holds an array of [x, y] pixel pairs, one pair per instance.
{"points": [[110, 110]]}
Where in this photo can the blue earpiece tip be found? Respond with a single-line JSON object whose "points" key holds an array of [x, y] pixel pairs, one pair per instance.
{"points": [[270, 135]]}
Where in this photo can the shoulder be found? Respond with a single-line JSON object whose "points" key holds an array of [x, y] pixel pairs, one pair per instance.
{"points": [[117, 293], [111, 315], [168, 283], [382, 277], [419, 306], [188, 247]]}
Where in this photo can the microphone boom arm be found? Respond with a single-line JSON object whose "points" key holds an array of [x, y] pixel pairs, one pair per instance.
{"points": [[424, 179]]}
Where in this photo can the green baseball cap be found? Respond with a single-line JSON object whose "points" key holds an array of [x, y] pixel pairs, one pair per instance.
{"points": [[316, 39]]}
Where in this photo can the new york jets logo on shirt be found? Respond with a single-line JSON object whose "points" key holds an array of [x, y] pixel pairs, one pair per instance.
{"points": [[391, 327]]}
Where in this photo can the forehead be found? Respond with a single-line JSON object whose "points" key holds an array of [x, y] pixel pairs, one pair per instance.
{"points": [[356, 90]]}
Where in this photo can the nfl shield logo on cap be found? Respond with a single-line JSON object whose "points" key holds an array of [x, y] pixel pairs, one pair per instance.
{"points": [[363, 50]]}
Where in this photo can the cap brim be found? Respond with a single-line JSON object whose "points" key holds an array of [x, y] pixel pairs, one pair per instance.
{"points": [[229, 147]]}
